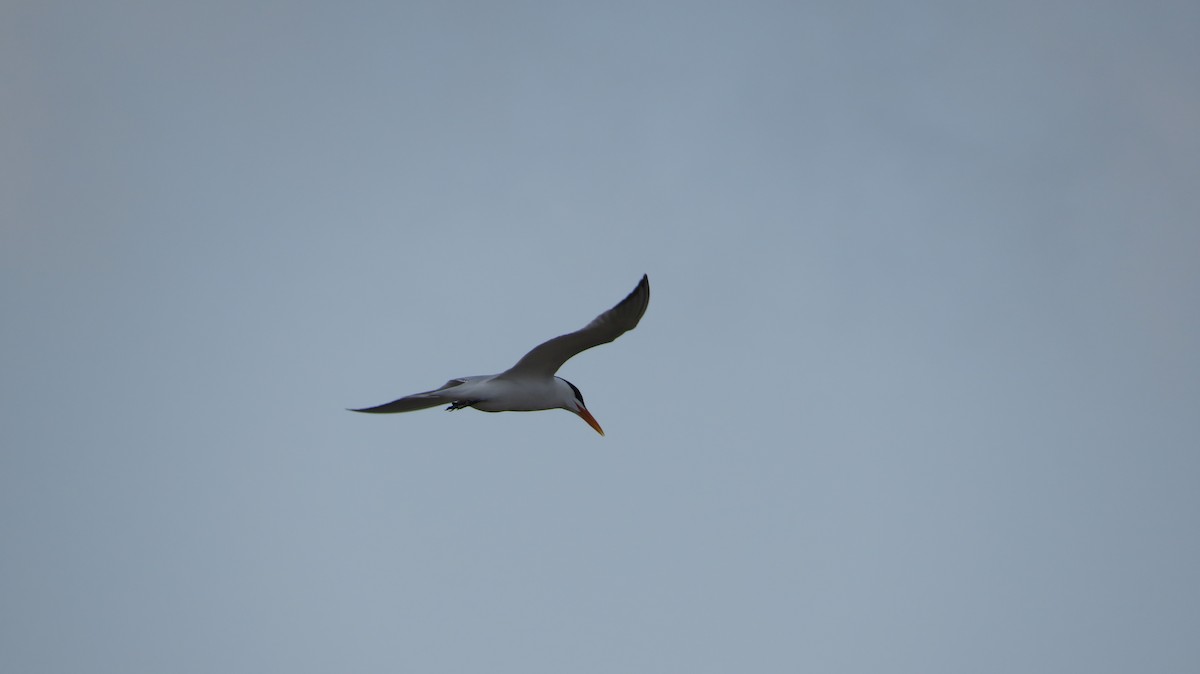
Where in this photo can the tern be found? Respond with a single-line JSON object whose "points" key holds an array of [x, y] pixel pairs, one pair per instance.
{"points": [[530, 385]]}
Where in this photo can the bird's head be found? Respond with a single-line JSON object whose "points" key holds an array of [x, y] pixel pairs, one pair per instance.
{"points": [[573, 402]]}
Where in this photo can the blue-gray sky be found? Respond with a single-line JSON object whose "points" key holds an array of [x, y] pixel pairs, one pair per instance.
{"points": [[917, 391]]}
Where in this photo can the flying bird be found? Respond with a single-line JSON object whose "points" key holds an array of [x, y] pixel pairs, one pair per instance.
{"points": [[530, 384]]}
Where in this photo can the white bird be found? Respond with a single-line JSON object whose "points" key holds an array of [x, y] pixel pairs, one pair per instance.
{"points": [[530, 384]]}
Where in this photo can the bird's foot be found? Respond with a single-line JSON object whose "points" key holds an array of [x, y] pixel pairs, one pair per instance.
{"points": [[459, 404]]}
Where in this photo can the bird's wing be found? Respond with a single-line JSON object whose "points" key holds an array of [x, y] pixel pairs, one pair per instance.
{"points": [[418, 401], [546, 358]]}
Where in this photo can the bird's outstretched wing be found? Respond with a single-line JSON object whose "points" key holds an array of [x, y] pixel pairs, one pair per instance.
{"points": [[545, 359], [419, 401]]}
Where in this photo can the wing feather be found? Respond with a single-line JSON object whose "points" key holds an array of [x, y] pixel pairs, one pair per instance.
{"points": [[547, 357], [418, 401]]}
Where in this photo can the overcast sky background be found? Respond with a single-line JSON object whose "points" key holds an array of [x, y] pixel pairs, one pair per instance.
{"points": [[918, 390]]}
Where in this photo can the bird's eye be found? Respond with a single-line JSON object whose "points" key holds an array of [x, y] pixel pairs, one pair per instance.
{"points": [[578, 395]]}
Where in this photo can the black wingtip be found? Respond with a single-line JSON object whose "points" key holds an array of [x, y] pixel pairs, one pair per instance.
{"points": [[642, 292]]}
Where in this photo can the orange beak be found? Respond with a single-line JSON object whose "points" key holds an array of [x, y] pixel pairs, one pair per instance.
{"points": [[587, 416]]}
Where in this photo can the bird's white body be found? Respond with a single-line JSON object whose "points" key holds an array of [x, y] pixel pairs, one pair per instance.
{"points": [[495, 393], [530, 385]]}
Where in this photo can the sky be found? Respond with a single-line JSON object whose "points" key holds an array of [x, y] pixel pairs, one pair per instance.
{"points": [[917, 389]]}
